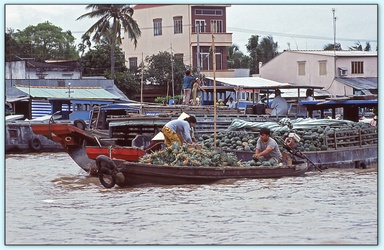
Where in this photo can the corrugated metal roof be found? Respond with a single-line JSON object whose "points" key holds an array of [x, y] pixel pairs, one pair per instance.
{"points": [[62, 92], [250, 82], [359, 83]]}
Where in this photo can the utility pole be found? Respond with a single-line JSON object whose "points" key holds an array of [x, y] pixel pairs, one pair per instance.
{"points": [[334, 30], [334, 43]]}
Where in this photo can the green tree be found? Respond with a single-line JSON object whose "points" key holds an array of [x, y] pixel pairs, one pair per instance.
{"points": [[253, 43], [159, 71], [357, 46], [330, 46], [41, 42], [97, 61], [12, 48], [236, 59], [267, 49], [128, 82], [261, 52], [367, 47], [113, 19]]}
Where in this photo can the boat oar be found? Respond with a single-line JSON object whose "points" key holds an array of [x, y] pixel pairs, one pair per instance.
{"points": [[301, 155]]}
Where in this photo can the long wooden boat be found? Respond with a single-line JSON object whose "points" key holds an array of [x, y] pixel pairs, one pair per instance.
{"points": [[115, 152], [123, 173]]}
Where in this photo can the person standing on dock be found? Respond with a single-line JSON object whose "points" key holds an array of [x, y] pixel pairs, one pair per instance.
{"points": [[195, 88], [181, 127], [187, 86]]}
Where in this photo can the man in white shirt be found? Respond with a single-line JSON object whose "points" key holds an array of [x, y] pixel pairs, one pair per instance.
{"points": [[279, 105], [231, 103]]}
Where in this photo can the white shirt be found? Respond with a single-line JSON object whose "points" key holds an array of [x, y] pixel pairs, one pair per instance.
{"points": [[279, 106], [309, 98]]}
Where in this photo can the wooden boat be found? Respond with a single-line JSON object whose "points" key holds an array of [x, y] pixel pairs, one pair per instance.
{"points": [[83, 145], [73, 140], [126, 173], [115, 152]]}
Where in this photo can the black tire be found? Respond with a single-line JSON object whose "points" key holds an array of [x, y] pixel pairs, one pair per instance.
{"points": [[79, 123], [107, 177], [35, 144], [104, 161]]}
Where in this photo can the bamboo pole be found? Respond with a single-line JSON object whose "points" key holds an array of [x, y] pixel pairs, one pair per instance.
{"points": [[142, 83], [214, 85]]}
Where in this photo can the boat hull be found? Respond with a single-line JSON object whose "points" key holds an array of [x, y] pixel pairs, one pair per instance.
{"points": [[115, 152], [127, 174], [334, 158], [73, 140]]}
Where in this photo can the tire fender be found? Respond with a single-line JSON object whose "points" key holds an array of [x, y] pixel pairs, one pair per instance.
{"points": [[35, 144], [105, 161], [106, 177], [106, 171], [80, 123]]}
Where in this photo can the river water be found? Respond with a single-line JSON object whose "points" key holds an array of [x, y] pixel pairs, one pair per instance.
{"points": [[50, 200]]}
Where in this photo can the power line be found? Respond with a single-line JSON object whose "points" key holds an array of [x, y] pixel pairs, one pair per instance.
{"points": [[251, 31], [288, 35]]}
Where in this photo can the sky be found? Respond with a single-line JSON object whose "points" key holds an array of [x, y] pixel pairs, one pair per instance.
{"points": [[293, 26]]}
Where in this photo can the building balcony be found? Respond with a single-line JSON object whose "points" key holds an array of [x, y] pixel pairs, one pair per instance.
{"points": [[205, 39]]}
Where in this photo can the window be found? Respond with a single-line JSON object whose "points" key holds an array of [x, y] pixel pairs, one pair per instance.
{"points": [[322, 68], [132, 62], [301, 68], [178, 25], [201, 25], [157, 29], [78, 106], [217, 26], [357, 68], [202, 12]]}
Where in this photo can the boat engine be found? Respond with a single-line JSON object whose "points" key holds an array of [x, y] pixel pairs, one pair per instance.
{"points": [[291, 140]]}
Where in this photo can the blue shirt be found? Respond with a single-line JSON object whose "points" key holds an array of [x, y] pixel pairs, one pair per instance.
{"points": [[187, 82]]}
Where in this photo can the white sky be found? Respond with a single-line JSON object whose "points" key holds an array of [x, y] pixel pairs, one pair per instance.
{"points": [[304, 26]]}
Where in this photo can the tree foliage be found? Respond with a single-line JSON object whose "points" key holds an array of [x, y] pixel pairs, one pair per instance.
{"points": [[159, 71], [260, 52], [268, 49], [97, 61], [113, 19], [330, 46], [236, 59], [253, 43], [44, 41], [358, 46]]}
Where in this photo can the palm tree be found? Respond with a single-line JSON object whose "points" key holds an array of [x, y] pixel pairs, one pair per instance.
{"points": [[113, 18]]}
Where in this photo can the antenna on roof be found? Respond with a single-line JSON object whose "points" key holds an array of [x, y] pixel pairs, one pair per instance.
{"points": [[334, 30]]}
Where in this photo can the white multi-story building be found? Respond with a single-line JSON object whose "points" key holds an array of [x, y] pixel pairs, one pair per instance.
{"points": [[185, 31], [339, 72]]}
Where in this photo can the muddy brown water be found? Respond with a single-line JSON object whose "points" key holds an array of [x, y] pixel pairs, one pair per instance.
{"points": [[50, 200]]}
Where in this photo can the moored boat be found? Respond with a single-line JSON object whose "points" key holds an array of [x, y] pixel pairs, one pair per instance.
{"points": [[115, 152], [123, 173]]}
